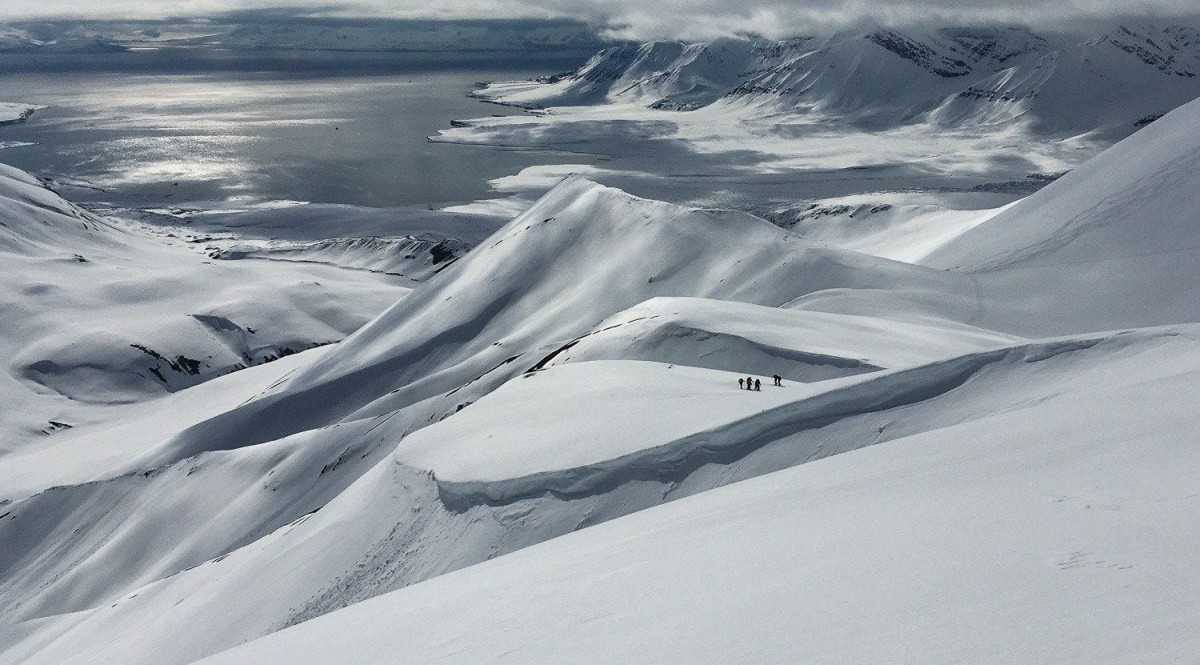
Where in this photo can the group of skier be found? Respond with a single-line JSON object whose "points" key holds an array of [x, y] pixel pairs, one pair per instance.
{"points": [[751, 383]]}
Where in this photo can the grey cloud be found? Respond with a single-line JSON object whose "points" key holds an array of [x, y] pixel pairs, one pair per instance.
{"points": [[643, 19]]}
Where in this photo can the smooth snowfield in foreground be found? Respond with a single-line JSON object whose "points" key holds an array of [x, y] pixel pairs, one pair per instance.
{"points": [[1062, 531]]}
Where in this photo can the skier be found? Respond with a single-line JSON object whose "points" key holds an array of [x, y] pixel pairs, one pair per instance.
{"points": [[757, 384], [778, 380], [749, 383], [741, 383]]}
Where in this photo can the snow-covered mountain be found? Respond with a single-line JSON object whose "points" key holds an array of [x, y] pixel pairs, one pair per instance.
{"points": [[935, 480], [833, 135], [1113, 81], [49, 39]]}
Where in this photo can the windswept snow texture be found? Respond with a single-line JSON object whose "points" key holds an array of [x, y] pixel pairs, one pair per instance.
{"points": [[541, 452], [1060, 531]]}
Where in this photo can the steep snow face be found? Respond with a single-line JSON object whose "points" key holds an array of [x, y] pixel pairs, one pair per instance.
{"points": [[1106, 246], [953, 76]]}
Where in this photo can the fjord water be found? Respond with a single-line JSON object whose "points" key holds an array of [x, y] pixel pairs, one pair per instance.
{"points": [[160, 129]]}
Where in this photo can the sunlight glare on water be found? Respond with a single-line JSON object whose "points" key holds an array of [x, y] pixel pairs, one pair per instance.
{"points": [[176, 139]]}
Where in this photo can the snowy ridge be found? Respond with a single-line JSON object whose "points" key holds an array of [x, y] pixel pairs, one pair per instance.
{"points": [[674, 461], [540, 282], [730, 336]]}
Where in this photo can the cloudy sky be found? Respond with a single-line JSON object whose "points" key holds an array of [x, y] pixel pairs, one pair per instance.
{"points": [[646, 18]]}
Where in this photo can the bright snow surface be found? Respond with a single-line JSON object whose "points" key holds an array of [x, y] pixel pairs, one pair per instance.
{"points": [[1060, 531]]}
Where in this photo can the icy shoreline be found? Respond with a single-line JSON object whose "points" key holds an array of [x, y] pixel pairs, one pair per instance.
{"points": [[11, 113]]}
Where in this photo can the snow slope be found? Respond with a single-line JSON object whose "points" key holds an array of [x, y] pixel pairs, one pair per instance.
{"points": [[1106, 246], [1036, 535], [581, 254], [103, 311], [398, 524]]}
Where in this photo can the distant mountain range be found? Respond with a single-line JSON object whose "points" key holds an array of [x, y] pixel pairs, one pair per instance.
{"points": [[1119, 78]]}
